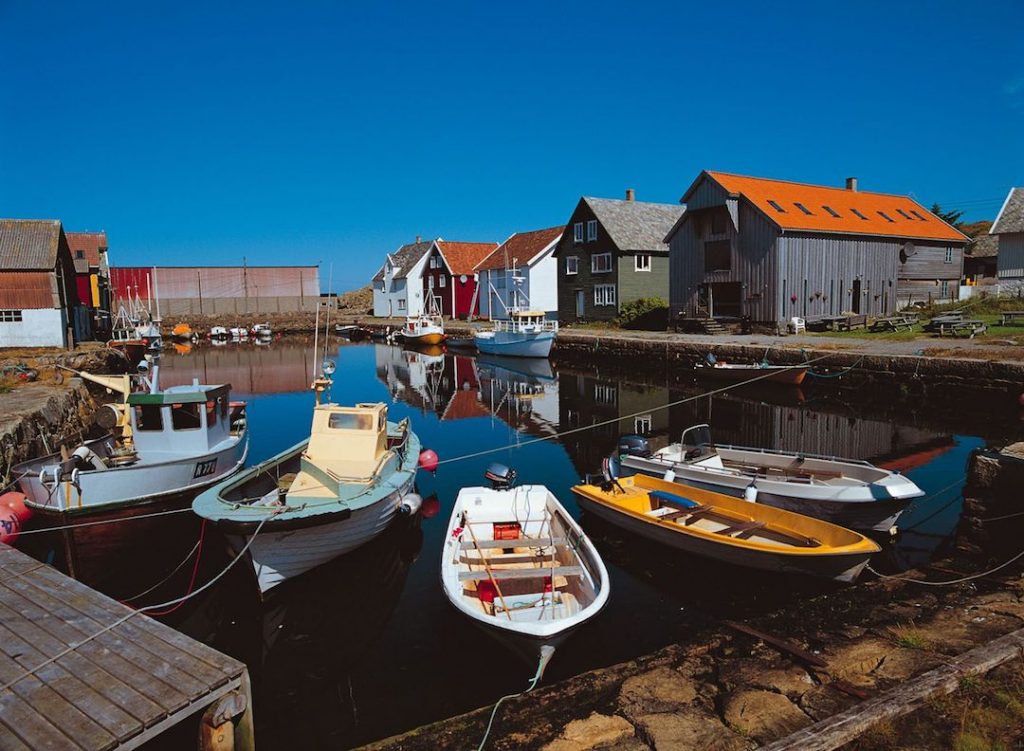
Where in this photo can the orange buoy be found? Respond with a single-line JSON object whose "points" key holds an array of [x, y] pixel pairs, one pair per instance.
{"points": [[16, 502]]}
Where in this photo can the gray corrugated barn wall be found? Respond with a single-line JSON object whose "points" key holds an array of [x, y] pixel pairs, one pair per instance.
{"points": [[821, 269], [1011, 262]]}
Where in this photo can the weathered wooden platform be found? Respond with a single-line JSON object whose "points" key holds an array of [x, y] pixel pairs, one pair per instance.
{"points": [[117, 690]]}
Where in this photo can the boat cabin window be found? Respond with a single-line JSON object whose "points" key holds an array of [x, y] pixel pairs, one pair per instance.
{"points": [[185, 416], [148, 417], [350, 421], [211, 413]]}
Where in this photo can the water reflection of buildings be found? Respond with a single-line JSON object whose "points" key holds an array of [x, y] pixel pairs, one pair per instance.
{"points": [[523, 394], [774, 418], [249, 369]]}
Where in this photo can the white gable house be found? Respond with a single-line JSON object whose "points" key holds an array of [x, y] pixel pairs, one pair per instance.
{"points": [[398, 286], [521, 272]]}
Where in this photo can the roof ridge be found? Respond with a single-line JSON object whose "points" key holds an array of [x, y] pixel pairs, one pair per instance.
{"points": [[814, 185], [634, 202]]}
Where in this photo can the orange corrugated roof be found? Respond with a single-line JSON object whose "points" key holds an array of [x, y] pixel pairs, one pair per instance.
{"points": [[909, 218], [463, 257], [522, 247], [88, 242]]}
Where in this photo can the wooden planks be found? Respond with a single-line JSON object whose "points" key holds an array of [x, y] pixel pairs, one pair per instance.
{"points": [[521, 573], [104, 690]]}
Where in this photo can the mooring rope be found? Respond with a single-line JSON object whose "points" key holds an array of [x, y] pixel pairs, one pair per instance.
{"points": [[951, 581], [546, 653], [119, 621]]}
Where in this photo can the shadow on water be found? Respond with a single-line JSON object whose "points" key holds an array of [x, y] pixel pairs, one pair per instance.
{"points": [[367, 646]]}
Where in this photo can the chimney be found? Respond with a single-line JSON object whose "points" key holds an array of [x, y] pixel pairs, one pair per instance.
{"points": [[851, 184], [418, 239], [630, 195]]}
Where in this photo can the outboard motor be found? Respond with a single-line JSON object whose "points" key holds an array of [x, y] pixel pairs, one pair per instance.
{"points": [[611, 470], [710, 359], [635, 445], [500, 476]]}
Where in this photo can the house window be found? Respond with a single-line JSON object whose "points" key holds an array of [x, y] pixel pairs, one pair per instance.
{"points": [[605, 393], [641, 262], [604, 294], [717, 255], [858, 214], [10, 316], [572, 265], [601, 263], [949, 255], [577, 232], [79, 254], [904, 214], [803, 208], [776, 206], [401, 304], [831, 211], [643, 424], [718, 223], [945, 288], [441, 280], [591, 230], [918, 215], [885, 216], [430, 282]]}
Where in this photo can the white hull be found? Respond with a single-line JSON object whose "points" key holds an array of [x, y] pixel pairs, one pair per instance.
{"points": [[515, 344], [277, 556]]}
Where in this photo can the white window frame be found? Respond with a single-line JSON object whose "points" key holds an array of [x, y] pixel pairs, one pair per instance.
{"points": [[643, 424], [577, 232], [571, 269], [401, 303], [606, 393], [591, 230], [593, 263], [949, 255], [605, 294], [645, 266], [430, 282], [441, 281], [11, 316]]}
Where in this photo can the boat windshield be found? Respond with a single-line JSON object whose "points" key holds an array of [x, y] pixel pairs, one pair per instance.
{"points": [[350, 421], [696, 437]]}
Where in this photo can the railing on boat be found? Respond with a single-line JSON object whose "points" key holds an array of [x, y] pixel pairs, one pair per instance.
{"points": [[525, 326]]}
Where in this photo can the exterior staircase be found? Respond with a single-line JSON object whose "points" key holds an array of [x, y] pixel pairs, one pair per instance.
{"points": [[711, 326]]}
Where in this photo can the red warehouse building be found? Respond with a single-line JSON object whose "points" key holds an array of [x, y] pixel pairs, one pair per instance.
{"points": [[449, 277]]}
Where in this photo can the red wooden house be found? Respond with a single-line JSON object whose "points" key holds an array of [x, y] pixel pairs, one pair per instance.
{"points": [[449, 278]]}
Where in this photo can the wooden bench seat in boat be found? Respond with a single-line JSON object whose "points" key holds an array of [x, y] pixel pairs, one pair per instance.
{"points": [[521, 573], [504, 559], [742, 530], [519, 542]]}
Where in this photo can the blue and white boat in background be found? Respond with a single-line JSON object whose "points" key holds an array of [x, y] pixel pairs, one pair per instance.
{"points": [[321, 498], [526, 333]]}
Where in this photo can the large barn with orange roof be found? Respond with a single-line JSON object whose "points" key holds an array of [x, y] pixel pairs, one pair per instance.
{"points": [[772, 250]]}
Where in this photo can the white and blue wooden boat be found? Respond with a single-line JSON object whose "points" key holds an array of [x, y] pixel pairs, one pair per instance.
{"points": [[526, 333], [848, 492], [163, 443], [322, 497], [516, 563]]}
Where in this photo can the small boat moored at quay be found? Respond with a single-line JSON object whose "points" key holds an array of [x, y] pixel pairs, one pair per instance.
{"points": [[219, 332], [321, 498], [729, 372], [848, 492], [351, 331], [726, 529], [515, 562], [163, 443], [424, 329], [261, 331], [526, 333]]}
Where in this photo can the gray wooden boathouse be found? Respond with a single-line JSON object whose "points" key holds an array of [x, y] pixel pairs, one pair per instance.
{"points": [[773, 250]]}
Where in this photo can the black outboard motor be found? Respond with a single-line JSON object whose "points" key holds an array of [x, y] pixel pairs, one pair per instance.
{"points": [[500, 476], [635, 445]]}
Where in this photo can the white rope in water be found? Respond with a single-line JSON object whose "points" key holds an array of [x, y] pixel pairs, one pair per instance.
{"points": [[119, 621], [952, 581], [106, 521], [613, 420]]}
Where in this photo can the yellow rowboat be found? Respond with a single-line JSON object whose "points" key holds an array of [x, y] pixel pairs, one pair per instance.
{"points": [[728, 529]]}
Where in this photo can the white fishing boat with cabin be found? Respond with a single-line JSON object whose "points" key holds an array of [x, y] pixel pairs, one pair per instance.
{"points": [[515, 562], [163, 442], [849, 492]]}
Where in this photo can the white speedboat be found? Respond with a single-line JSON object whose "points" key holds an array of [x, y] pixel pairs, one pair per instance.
{"points": [[262, 331], [321, 498], [527, 333], [219, 332], [516, 563], [163, 442], [852, 493]]}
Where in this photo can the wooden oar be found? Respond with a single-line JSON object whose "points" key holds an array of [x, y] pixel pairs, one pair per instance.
{"points": [[487, 568]]}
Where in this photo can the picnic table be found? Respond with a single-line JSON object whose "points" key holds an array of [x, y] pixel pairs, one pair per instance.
{"points": [[1009, 316], [894, 323], [962, 327], [946, 319], [845, 322]]}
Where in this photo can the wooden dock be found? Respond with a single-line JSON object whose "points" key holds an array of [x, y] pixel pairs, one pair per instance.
{"points": [[118, 680]]}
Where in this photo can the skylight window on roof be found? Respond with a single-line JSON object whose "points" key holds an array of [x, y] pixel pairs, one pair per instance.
{"points": [[831, 211], [918, 215], [858, 214], [885, 216], [776, 206], [904, 214], [803, 208]]}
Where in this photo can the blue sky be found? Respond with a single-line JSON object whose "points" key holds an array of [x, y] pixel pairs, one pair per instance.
{"points": [[333, 132]]}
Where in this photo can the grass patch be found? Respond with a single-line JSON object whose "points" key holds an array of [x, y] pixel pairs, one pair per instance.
{"points": [[910, 638]]}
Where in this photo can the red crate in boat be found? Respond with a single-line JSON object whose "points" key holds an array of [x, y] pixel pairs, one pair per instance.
{"points": [[506, 531]]}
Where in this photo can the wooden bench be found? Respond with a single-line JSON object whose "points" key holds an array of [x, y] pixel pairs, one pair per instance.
{"points": [[521, 573], [1009, 316], [742, 530], [962, 328], [519, 542]]}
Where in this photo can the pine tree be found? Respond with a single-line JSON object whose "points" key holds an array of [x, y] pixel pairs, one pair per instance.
{"points": [[949, 217]]}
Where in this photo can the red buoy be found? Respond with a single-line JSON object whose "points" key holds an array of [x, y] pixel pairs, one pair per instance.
{"points": [[10, 526], [428, 460], [16, 502], [1020, 400], [431, 506]]}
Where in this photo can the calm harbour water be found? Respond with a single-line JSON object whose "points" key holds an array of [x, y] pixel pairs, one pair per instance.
{"points": [[367, 646]]}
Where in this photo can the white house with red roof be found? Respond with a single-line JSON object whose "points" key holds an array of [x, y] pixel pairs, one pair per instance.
{"points": [[521, 271]]}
